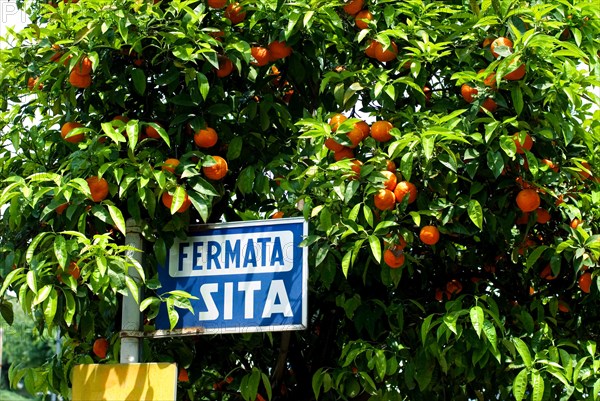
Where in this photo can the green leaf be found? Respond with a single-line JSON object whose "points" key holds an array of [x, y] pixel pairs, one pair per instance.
{"points": [[347, 262], [523, 351], [475, 213], [537, 383], [477, 319], [117, 218], [31, 281], [375, 245], [133, 288], [11, 278], [495, 162], [517, 98], [380, 364], [50, 306], [139, 80], [425, 327], [520, 385], [42, 294], [490, 333], [535, 255], [317, 382], [70, 307], [203, 84], [7, 313], [235, 148]]}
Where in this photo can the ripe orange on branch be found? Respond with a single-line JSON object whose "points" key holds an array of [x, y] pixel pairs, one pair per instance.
{"points": [[344, 153], [336, 121], [235, 13], [362, 19], [353, 6], [516, 74], [528, 200], [332, 145], [206, 138], [279, 50], [391, 180], [394, 257], [261, 56], [430, 235], [527, 143], [468, 93], [80, 81], [67, 128], [225, 67], [100, 347], [386, 54], [385, 199], [167, 200], [500, 42], [98, 188], [217, 3], [489, 104], [217, 171], [380, 131], [170, 165], [585, 282], [83, 66], [404, 188]]}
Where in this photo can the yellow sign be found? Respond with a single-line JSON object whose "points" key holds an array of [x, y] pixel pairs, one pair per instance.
{"points": [[125, 382]]}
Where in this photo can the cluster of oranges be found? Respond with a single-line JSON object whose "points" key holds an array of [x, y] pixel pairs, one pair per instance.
{"points": [[392, 191], [276, 50], [469, 93], [375, 49], [81, 74]]}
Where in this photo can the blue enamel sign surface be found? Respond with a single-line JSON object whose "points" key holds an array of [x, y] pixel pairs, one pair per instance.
{"points": [[248, 277]]}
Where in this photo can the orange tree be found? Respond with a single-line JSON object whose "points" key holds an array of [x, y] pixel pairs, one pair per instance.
{"points": [[177, 112]]}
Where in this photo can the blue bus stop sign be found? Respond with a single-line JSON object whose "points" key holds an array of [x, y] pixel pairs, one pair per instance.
{"points": [[248, 277]]}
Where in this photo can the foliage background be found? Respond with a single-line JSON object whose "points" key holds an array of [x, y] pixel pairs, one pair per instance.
{"points": [[375, 333]]}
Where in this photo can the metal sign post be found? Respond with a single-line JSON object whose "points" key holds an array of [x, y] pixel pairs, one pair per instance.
{"points": [[131, 317]]}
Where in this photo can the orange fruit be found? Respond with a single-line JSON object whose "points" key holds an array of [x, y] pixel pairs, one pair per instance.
{"points": [[235, 13], [575, 223], [404, 188], [170, 165], [516, 74], [427, 92], [563, 307], [356, 167], [344, 153], [489, 104], [585, 282], [487, 42], [98, 188], [260, 55], [385, 55], [468, 93], [439, 295], [370, 51], [364, 128], [553, 166], [183, 374], [385, 199], [394, 257], [279, 50], [83, 66], [430, 235], [217, 171], [32, 83], [543, 216], [546, 273], [380, 131], [277, 215], [584, 174], [390, 166], [332, 145], [336, 120], [225, 67], [217, 3], [356, 135], [100, 347], [362, 19], [527, 145], [67, 128], [353, 6], [206, 138], [454, 287], [80, 81], [151, 132], [61, 208], [391, 180], [74, 270], [528, 200], [501, 41], [167, 200], [57, 53], [490, 80]]}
